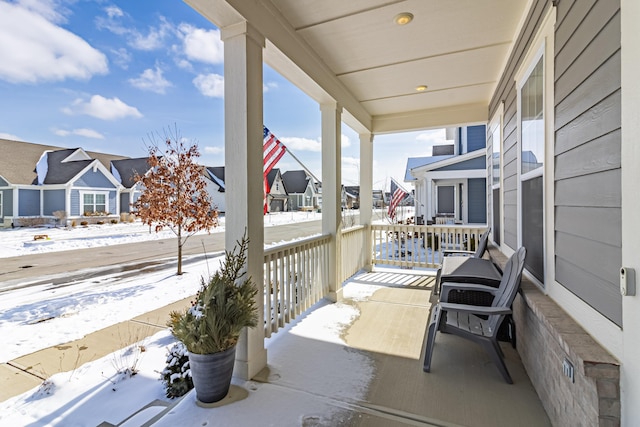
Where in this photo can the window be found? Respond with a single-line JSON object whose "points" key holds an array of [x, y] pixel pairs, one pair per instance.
{"points": [[93, 203], [534, 83], [495, 134], [532, 121]]}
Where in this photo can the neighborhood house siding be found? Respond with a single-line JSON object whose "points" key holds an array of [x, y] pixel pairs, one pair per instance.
{"points": [[53, 200], [29, 202], [7, 203], [477, 163], [3, 183], [476, 138], [477, 201], [94, 179], [74, 200], [587, 154]]}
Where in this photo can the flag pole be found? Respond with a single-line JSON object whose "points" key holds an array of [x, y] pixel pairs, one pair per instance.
{"points": [[301, 164]]}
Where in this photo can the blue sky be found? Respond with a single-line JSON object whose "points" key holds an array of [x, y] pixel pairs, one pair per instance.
{"points": [[110, 76]]}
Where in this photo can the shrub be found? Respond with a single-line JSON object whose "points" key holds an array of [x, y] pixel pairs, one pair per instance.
{"points": [[114, 221], [73, 223], [176, 376], [84, 223], [100, 222]]}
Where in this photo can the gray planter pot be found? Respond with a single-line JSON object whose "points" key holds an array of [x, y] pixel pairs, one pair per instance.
{"points": [[211, 374]]}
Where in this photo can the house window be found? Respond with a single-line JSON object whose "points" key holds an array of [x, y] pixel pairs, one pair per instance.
{"points": [[534, 84], [93, 203], [495, 129]]}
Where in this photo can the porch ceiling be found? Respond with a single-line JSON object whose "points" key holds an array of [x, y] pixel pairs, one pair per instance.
{"points": [[353, 52]]}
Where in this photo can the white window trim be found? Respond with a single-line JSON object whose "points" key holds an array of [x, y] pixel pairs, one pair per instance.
{"points": [[1, 204], [542, 46], [497, 121], [106, 199]]}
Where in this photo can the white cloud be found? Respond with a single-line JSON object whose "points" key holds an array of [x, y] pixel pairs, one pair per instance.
{"points": [[50, 10], [103, 108], [114, 11], [306, 144], [268, 86], [121, 57], [201, 45], [34, 49], [211, 85], [153, 39], [151, 80], [213, 150], [9, 136], [301, 144], [433, 137], [88, 133]]}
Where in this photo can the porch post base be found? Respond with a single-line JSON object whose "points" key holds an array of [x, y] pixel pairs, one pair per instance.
{"points": [[335, 296]]}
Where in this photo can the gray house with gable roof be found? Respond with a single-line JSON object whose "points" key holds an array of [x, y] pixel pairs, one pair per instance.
{"points": [[38, 180]]}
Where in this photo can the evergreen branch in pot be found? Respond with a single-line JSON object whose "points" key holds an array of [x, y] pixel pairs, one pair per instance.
{"points": [[223, 307]]}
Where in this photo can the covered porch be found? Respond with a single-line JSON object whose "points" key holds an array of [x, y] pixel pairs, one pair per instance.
{"points": [[374, 376]]}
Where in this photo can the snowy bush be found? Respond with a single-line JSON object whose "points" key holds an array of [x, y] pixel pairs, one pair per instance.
{"points": [[176, 376]]}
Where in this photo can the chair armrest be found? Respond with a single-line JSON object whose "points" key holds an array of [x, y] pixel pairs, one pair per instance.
{"points": [[447, 287], [474, 309], [451, 252]]}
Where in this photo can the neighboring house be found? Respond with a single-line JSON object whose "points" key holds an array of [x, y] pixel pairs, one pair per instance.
{"points": [[452, 183], [278, 198], [303, 192], [351, 196], [125, 171], [217, 189], [37, 181]]}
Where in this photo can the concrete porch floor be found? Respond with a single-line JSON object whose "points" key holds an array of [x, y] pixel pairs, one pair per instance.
{"points": [[377, 378]]}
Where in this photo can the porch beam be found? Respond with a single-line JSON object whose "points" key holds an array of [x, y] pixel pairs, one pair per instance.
{"points": [[366, 193], [243, 120], [331, 192]]}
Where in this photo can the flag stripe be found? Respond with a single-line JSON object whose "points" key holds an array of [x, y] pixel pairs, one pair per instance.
{"points": [[272, 152], [397, 196]]}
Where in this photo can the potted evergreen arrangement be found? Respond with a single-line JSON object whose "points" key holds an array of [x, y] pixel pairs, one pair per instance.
{"points": [[210, 328]]}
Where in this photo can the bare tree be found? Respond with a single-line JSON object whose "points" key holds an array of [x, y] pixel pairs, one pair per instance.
{"points": [[174, 193]]}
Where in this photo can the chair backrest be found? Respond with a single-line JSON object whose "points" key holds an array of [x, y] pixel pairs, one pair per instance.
{"points": [[482, 244], [510, 283]]}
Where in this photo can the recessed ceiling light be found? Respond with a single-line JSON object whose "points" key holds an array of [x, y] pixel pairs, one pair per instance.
{"points": [[403, 18], [421, 88]]}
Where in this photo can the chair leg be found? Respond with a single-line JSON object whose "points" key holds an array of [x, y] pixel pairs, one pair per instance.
{"points": [[431, 338], [495, 352]]}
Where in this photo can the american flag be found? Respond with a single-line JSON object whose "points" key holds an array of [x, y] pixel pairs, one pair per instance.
{"points": [[272, 151], [397, 195]]}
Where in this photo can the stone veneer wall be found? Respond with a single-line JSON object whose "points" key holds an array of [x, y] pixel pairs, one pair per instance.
{"points": [[546, 335]]}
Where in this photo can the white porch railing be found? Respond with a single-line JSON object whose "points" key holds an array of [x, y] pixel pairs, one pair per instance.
{"points": [[295, 278], [353, 250], [420, 245]]}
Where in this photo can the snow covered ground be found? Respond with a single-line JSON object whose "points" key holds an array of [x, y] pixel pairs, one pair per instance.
{"points": [[42, 316]]}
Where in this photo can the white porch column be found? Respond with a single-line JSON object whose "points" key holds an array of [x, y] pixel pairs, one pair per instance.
{"points": [[430, 208], [243, 173], [331, 193], [366, 193], [630, 369]]}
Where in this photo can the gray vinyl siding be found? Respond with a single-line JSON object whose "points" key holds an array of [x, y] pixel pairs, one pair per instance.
{"points": [[3, 183], [587, 175], [477, 193], [476, 138], [53, 200], [477, 163], [29, 202], [93, 179], [588, 196], [7, 203]]}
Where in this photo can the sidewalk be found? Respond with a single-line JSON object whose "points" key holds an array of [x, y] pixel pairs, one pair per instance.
{"points": [[24, 373]]}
